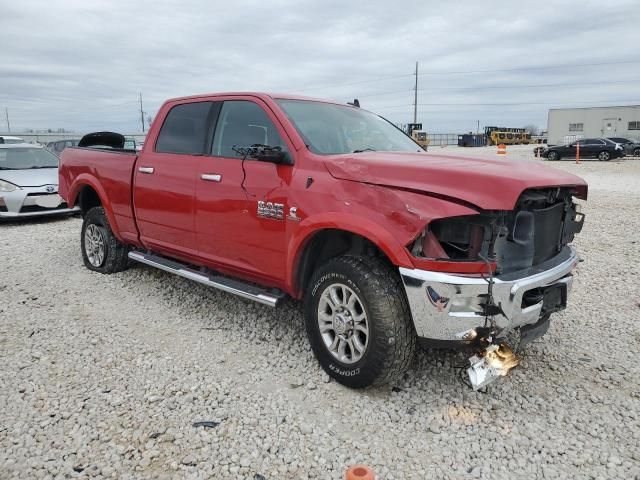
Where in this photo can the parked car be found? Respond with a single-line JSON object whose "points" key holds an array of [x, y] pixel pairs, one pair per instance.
{"points": [[8, 140], [58, 146], [600, 148], [630, 147], [29, 182], [272, 196]]}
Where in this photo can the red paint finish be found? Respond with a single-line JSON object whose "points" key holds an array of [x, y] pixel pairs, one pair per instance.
{"points": [[388, 198]]}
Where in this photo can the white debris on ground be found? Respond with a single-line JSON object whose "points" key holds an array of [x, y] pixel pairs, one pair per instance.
{"points": [[105, 375]]}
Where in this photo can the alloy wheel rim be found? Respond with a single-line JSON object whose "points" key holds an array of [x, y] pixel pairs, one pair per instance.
{"points": [[343, 323], [94, 246]]}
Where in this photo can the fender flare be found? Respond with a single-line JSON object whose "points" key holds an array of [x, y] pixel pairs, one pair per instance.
{"points": [[372, 231], [86, 180]]}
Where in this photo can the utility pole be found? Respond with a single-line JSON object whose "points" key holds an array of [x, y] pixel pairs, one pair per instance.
{"points": [[415, 98], [6, 113], [141, 113], [478, 129]]}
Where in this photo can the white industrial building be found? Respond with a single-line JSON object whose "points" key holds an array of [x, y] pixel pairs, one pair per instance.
{"points": [[568, 124]]}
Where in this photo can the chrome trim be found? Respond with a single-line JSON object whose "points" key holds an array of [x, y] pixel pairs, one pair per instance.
{"points": [[211, 177], [221, 283], [441, 323], [148, 170]]}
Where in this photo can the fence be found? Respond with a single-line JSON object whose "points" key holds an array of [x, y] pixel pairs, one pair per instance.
{"points": [[440, 139]]}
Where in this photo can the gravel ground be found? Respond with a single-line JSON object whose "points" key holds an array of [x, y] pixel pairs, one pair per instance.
{"points": [[106, 375]]}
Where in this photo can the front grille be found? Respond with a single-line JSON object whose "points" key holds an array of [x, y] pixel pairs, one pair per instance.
{"points": [[548, 232], [37, 208], [40, 194], [545, 221]]}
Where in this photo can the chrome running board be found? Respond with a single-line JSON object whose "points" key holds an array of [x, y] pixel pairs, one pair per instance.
{"points": [[237, 287]]}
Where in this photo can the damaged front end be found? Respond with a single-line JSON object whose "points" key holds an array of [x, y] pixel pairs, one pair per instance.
{"points": [[480, 278]]}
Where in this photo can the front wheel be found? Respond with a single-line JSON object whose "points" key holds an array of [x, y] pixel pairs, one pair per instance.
{"points": [[636, 152], [101, 250], [358, 321], [604, 156], [553, 156]]}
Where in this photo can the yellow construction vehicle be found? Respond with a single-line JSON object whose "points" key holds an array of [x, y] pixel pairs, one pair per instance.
{"points": [[414, 130], [507, 136]]}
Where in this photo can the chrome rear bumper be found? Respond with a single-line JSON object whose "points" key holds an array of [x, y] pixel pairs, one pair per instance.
{"points": [[445, 306]]}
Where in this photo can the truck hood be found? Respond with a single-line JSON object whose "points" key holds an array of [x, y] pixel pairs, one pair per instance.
{"points": [[490, 184]]}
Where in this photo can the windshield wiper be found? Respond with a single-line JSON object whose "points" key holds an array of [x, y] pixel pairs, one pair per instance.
{"points": [[39, 166], [364, 150]]}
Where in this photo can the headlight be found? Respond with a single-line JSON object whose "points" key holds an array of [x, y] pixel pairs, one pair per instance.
{"points": [[7, 187]]}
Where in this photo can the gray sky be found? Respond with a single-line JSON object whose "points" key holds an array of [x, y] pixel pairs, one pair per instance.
{"points": [[80, 64]]}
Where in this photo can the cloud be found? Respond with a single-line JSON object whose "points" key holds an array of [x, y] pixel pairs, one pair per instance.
{"points": [[81, 65]]}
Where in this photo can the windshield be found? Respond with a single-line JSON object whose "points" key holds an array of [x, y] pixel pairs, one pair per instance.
{"points": [[26, 158], [330, 129]]}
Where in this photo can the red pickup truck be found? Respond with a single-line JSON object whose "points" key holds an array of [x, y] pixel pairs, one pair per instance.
{"points": [[269, 196]]}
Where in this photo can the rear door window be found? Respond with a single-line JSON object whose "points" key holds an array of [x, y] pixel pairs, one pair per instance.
{"points": [[185, 129]]}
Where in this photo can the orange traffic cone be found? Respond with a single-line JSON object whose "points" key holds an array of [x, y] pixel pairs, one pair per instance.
{"points": [[359, 472], [502, 149]]}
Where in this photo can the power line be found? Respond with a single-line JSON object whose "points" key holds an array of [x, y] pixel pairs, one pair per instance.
{"points": [[491, 87], [544, 67], [637, 102], [461, 72], [377, 79]]}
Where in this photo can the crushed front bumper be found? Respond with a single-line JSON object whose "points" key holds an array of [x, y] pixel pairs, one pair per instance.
{"points": [[32, 202], [448, 307]]}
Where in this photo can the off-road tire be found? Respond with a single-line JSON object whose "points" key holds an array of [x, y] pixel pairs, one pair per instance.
{"points": [[115, 253], [392, 337], [553, 156]]}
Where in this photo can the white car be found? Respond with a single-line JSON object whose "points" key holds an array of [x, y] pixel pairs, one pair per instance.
{"points": [[6, 139], [29, 182]]}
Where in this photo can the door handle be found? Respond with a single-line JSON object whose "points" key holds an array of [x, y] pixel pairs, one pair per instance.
{"points": [[148, 170], [211, 177]]}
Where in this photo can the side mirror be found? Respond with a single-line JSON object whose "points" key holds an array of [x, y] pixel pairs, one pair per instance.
{"points": [[264, 153], [271, 154]]}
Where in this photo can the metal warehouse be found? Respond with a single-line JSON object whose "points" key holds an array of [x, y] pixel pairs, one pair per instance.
{"points": [[568, 124]]}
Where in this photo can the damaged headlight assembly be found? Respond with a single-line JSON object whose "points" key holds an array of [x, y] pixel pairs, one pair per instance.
{"points": [[494, 273]]}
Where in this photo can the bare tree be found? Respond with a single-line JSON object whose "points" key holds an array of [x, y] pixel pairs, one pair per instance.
{"points": [[532, 129]]}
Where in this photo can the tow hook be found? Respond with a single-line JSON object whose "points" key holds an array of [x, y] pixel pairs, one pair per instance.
{"points": [[488, 365]]}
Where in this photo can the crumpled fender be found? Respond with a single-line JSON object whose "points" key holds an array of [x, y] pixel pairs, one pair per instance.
{"points": [[389, 218]]}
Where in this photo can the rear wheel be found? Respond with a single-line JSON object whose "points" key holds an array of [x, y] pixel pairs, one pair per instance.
{"points": [[604, 156], [636, 152], [101, 250], [553, 156], [358, 321]]}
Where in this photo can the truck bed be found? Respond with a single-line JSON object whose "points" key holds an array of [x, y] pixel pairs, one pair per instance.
{"points": [[110, 173]]}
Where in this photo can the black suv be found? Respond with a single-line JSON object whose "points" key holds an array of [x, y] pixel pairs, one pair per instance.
{"points": [[601, 148]]}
